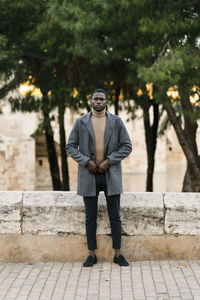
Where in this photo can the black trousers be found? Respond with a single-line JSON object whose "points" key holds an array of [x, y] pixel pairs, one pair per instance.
{"points": [[113, 208]]}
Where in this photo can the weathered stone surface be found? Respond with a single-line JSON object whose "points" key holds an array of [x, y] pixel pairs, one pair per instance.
{"points": [[59, 213], [182, 213], [34, 248], [142, 213], [54, 227], [63, 213], [10, 205], [53, 213]]}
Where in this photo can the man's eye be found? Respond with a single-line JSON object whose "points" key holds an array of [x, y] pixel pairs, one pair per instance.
{"points": [[101, 99]]}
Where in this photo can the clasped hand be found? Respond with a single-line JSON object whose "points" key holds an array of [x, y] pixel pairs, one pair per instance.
{"points": [[101, 168]]}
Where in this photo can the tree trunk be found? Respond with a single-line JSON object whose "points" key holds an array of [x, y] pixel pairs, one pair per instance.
{"points": [[64, 163], [151, 141], [193, 171], [189, 182], [117, 93], [51, 149], [190, 129]]}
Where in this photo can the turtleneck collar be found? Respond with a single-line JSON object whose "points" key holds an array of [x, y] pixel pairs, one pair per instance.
{"points": [[98, 114]]}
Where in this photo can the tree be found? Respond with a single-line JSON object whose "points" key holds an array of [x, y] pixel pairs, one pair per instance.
{"points": [[176, 25], [105, 35], [28, 60]]}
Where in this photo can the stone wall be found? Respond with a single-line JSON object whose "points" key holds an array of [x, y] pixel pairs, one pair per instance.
{"points": [[17, 163], [49, 226]]}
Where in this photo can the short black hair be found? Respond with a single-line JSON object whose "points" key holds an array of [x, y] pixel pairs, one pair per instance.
{"points": [[99, 90]]}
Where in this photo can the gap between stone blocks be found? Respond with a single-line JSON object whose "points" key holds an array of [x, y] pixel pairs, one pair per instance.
{"points": [[164, 212], [21, 212]]}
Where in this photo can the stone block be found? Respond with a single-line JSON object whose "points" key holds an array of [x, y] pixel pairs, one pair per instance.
{"points": [[142, 213], [10, 207], [182, 213], [53, 213]]}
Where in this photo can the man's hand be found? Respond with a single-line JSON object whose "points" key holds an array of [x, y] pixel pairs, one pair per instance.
{"points": [[92, 167], [103, 166]]}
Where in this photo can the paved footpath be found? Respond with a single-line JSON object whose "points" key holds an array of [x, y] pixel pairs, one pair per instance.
{"points": [[149, 280]]}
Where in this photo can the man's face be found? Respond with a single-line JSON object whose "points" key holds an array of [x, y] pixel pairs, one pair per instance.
{"points": [[98, 101]]}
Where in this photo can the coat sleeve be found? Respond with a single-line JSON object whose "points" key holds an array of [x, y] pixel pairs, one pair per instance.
{"points": [[125, 146], [72, 147]]}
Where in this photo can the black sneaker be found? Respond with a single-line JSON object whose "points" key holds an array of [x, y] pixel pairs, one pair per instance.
{"points": [[90, 261], [120, 260]]}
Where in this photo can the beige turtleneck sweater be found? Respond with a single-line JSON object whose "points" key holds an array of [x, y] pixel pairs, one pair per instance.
{"points": [[99, 125]]}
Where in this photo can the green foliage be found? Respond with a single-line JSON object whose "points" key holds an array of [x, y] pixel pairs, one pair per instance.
{"points": [[174, 45], [3, 43], [64, 45], [68, 48], [26, 103]]}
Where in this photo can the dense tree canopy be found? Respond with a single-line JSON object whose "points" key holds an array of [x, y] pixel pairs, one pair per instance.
{"points": [[65, 46]]}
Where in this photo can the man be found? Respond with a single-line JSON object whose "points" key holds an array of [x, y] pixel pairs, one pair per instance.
{"points": [[98, 142]]}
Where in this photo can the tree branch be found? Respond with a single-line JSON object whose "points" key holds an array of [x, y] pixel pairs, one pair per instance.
{"points": [[183, 141], [167, 44]]}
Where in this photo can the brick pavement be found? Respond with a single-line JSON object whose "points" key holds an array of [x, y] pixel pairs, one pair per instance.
{"points": [[144, 280]]}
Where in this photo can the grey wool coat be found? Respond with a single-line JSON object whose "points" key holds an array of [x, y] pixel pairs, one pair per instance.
{"points": [[81, 147]]}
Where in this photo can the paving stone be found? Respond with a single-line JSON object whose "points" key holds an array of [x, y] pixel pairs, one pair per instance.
{"points": [[160, 280]]}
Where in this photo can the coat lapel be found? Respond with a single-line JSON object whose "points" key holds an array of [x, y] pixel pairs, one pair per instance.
{"points": [[109, 128], [89, 126]]}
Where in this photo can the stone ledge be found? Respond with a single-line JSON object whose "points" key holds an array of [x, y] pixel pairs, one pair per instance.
{"points": [[63, 212], [34, 248], [41, 226]]}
